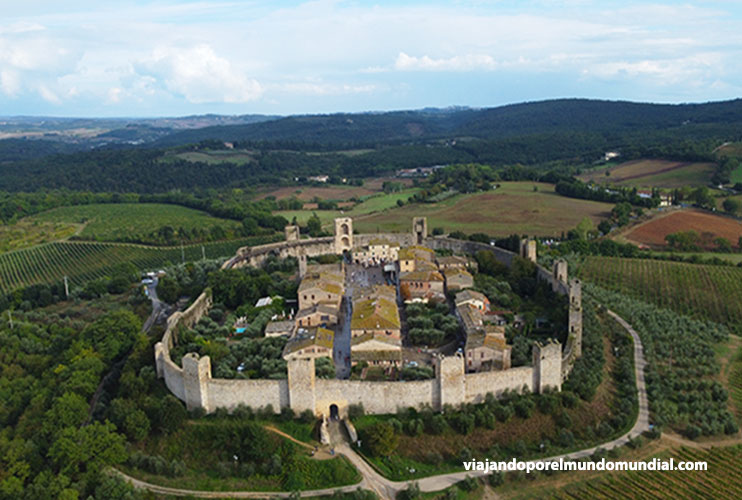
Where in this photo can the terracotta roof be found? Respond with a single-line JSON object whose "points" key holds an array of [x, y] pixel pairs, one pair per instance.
{"points": [[467, 295], [421, 276], [370, 292], [279, 327], [317, 336], [327, 286], [381, 337], [378, 312], [376, 355], [471, 317], [320, 308], [452, 260]]}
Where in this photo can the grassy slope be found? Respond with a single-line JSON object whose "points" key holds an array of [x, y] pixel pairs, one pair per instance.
{"points": [[710, 292], [641, 173], [372, 204], [513, 208], [27, 233], [82, 261], [111, 222]]}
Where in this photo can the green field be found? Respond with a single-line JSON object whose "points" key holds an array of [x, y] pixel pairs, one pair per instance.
{"points": [[703, 291], [652, 173], [133, 221], [369, 205], [27, 233], [83, 261], [513, 208]]}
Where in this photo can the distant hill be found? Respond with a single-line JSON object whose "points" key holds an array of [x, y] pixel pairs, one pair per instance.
{"points": [[553, 116]]}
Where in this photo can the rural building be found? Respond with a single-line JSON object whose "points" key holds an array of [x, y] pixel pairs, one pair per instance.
{"points": [[312, 292], [487, 351], [458, 279], [414, 257], [317, 315], [314, 342], [476, 299], [376, 349], [378, 250], [279, 329], [456, 262], [422, 286], [377, 314]]}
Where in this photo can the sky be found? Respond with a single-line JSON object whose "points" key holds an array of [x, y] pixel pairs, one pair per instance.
{"points": [[109, 58]]}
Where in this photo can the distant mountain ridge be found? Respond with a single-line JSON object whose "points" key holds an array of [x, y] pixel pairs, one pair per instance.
{"points": [[560, 115]]}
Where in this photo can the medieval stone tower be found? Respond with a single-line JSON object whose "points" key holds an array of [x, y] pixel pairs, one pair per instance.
{"points": [[450, 376], [560, 270], [343, 234], [291, 232], [196, 376], [419, 230], [528, 249], [301, 384], [547, 366]]}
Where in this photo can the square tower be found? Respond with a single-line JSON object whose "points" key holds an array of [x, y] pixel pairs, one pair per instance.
{"points": [[528, 249], [419, 230], [291, 232], [343, 234]]}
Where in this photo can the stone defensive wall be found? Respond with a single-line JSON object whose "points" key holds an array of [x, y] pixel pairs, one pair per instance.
{"points": [[302, 391]]}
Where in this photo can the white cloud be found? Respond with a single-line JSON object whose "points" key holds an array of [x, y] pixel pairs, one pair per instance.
{"points": [[467, 62], [200, 75], [691, 70], [322, 89]]}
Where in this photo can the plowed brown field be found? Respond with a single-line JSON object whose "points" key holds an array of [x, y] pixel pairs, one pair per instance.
{"points": [[653, 232]]}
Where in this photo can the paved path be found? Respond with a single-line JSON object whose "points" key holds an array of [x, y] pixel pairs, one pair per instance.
{"points": [[387, 489]]}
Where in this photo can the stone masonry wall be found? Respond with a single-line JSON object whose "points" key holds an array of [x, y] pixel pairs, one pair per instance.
{"points": [[302, 391]]}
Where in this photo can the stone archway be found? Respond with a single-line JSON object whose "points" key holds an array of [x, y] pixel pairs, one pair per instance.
{"points": [[334, 412]]}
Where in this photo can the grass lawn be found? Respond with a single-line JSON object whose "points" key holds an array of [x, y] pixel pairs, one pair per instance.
{"points": [[207, 447], [122, 221], [27, 233], [513, 208]]}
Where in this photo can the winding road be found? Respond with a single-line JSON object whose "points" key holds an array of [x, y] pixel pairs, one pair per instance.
{"points": [[387, 489]]}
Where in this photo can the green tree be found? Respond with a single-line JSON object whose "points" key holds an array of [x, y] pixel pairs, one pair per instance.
{"points": [[91, 447], [381, 438], [731, 206], [314, 225]]}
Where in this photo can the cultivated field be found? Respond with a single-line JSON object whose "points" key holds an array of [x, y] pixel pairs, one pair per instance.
{"points": [[653, 232], [373, 204], [131, 221], [653, 173], [83, 261], [27, 233], [513, 208], [704, 291], [720, 481], [306, 193]]}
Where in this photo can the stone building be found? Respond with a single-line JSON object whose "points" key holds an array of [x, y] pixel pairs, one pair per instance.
{"points": [[378, 250], [458, 279], [476, 299], [316, 342], [325, 315], [422, 286]]}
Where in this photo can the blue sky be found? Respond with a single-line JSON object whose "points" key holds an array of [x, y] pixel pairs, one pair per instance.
{"points": [[167, 57]]}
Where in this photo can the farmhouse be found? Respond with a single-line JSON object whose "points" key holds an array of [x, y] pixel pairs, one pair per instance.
{"points": [[318, 314], [476, 299], [487, 351], [421, 286], [314, 343], [378, 250], [458, 279], [279, 328]]}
